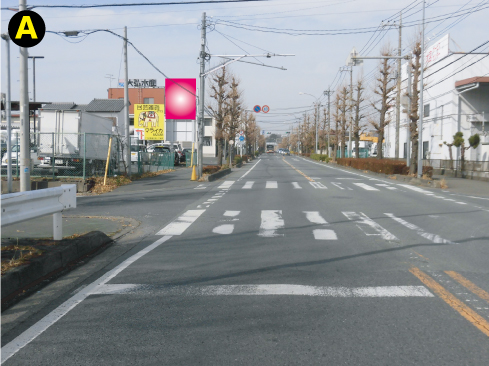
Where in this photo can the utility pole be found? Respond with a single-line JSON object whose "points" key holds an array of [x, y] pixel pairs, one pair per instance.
{"points": [[127, 155], [329, 93], [398, 98], [34, 87], [408, 135], [25, 155], [203, 56], [421, 106], [8, 116], [317, 123], [351, 112]]}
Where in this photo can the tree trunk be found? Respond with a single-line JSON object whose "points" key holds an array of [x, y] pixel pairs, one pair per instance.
{"points": [[379, 145], [413, 168]]}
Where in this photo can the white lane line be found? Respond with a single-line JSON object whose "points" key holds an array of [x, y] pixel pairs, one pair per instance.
{"points": [[391, 188], [461, 203], [431, 237], [296, 185], [224, 229], [182, 223], [382, 185], [318, 185], [200, 186], [414, 188], [366, 186], [248, 172], [266, 290], [271, 221], [315, 217], [337, 185], [248, 184], [34, 331], [366, 224], [226, 185], [324, 234], [271, 184], [350, 178], [231, 213]]}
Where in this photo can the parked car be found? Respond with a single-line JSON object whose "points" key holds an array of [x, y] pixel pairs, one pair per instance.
{"points": [[138, 150], [183, 158], [285, 152], [16, 153], [164, 149]]}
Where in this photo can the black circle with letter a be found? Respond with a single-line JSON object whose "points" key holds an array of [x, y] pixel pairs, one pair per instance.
{"points": [[26, 28]]}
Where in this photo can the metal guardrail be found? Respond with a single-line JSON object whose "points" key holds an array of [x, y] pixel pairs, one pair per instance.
{"points": [[23, 206]]}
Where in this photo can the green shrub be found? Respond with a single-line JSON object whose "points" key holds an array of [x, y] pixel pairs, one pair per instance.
{"points": [[237, 160], [320, 157]]}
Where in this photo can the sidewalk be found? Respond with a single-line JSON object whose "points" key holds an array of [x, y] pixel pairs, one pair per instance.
{"points": [[465, 186]]}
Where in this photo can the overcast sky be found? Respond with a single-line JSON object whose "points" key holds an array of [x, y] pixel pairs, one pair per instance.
{"points": [[75, 70]]}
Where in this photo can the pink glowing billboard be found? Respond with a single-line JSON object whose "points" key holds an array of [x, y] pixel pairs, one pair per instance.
{"points": [[180, 100]]}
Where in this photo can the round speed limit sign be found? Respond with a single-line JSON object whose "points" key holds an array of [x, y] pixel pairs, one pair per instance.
{"points": [[265, 109]]}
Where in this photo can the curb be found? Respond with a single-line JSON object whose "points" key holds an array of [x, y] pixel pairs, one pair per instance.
{"points": [[219, 174], [20, 279]]}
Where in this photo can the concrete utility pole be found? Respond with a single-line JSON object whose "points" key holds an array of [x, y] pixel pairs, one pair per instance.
{"points": [[398, 98], [8, 98], [201, 127], [25, 155], [34, 86], [421, 106], [127, 155], [351, 113], [408, 135], [329, 93]]}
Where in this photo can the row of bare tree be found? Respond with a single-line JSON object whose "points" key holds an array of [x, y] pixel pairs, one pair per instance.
{"points": [[227, 108], [348, 107]]}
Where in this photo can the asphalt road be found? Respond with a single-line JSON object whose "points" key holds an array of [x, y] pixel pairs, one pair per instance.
{"points": [[285, 262]]}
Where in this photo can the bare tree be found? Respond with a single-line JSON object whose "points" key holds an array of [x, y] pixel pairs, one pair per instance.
{"points": [[337, 121], [344, 97], [358, 116], [233, 106], [220, 93], [384, 89], [415, 65]]}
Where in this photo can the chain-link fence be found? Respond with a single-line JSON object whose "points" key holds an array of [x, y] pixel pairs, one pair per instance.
{"points": [[69, 155], [152, 162]]}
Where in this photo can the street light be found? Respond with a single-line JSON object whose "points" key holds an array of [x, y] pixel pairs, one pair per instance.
{"points": [[316, 119]]}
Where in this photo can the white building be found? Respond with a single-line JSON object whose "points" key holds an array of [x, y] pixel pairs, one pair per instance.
{"points": [[456, 98]]}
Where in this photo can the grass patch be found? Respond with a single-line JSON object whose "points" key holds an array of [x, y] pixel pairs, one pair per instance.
{"points": [[20, 254], [98, 186]]}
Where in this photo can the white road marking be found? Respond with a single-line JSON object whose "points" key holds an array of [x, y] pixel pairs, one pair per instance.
{"points": [[181, 224], [248, 172], [391, 188], [271, 184], [364, 223], [296, 185], [271, 221], [349, 178], [248, 184], [414, 188], [34, 331], [432, 237], [227, 184], [315, 217], [324, 234], [266, 290], [337, 185], [225, 229], [200, 186], [366, 186], [461, 203], [318, 185], [231, 213]]}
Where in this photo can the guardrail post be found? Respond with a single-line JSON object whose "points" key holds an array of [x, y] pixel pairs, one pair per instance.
{"points": [[57, 226]]}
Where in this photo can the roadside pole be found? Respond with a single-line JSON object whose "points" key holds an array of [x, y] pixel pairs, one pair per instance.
{"points": [[25, 155], [351, 112], [201, 98], [329, 93], [127, 156], [408, 135], [421, 106], [8, 111], [398, 98]]}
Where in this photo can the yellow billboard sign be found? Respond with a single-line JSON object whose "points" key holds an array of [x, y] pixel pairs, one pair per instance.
{"points": [[149, 121]]}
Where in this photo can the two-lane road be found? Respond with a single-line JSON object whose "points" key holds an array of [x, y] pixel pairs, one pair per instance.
{"points": [[286, 262]]}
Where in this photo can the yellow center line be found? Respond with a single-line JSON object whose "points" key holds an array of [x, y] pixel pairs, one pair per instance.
{"points": [[297, 170], [469, 285], [469, 314]]}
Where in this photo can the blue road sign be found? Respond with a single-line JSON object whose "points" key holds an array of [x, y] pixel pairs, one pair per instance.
{"points": [[257, 108], [241, 138]]}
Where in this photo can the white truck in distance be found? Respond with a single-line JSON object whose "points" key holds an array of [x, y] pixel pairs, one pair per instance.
{"points": [[63, 134]]}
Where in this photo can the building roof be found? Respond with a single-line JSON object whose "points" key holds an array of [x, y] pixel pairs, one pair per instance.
{"points": [[65, 106], [105, 105], [477, 79]]}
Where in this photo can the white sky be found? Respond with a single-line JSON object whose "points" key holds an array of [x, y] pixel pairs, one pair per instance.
{"points": [[170, 38]]}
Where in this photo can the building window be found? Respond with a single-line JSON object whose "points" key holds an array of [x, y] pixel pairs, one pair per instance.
{"points": [[149, 101], [208, 122], [426, 145], [207, 141], [426, 112]]}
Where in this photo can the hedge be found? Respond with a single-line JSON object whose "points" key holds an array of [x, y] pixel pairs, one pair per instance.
{"points": [[386, 166]]}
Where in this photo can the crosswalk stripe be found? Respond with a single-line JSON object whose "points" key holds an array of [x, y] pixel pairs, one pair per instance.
{"points": [[224, 229], [337, 185], [367, 225], [271, 221], [226, 184], [324, 234], [318, 185], [315, 217], [248, 184], [366, 186], [181, 224], [296, 185], [271, 184]]}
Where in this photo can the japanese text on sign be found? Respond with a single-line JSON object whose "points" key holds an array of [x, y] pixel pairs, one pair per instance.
{"points": [[149, 121]]}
